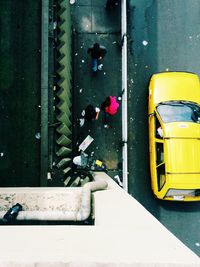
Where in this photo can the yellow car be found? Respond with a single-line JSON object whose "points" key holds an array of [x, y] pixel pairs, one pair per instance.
{"points": [[174, 136]]}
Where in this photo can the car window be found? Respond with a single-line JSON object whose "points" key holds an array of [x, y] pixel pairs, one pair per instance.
{"points": [[159, 153], [161, 178], [175, 111], [158, 129]]}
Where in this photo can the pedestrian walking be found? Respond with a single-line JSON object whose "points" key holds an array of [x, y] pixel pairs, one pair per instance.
{"points": [[110, 107], [90, 113], [97, 52], [111, 3]]}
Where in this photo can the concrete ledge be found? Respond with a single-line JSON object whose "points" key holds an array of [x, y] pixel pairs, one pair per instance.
{"points": [[138, 230], [124, 235], [66, 204], [90, 246]]}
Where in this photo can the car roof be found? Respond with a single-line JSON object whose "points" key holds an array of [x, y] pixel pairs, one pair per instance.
{"points": [[181, 130]]}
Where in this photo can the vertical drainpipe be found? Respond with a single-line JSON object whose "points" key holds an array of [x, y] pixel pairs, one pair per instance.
{"points": [[124, 95]]}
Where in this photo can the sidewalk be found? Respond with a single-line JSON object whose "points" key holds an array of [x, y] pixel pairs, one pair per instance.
{"points": [[93, 23]]}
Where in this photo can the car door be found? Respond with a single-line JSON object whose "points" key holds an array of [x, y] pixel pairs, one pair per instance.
{"points": [[156, 145]]}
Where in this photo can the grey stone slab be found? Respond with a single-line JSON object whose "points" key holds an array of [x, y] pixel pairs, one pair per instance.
{"points": [[81, 18], [108, 22]]}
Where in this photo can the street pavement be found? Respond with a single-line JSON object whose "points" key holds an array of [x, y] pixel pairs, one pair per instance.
{"points": [[20, 86], [162, 36], [93, 23]]}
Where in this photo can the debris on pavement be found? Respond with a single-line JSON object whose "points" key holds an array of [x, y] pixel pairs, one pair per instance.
{"points": [[38, 135], [145, 43]]}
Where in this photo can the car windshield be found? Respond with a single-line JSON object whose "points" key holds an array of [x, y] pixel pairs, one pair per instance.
{"points": [[174, 111]]}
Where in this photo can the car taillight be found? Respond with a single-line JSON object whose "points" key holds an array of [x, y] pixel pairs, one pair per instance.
{"points": [[181, 192]]}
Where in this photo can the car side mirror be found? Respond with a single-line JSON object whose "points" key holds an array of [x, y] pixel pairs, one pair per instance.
{"points": [[151, 114]]}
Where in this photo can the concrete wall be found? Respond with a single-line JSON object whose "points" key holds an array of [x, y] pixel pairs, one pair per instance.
{"points": [[125, 234]]}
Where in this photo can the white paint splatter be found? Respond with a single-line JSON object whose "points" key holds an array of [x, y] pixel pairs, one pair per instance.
{"points": [[38, 135], [81, 122], [145, 43], [54, 25]]}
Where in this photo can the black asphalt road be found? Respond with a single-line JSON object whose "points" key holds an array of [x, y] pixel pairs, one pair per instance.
{"points": [[163, 35]]}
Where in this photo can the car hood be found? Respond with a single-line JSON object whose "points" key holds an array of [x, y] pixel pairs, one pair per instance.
{"points": [[175, 86]]}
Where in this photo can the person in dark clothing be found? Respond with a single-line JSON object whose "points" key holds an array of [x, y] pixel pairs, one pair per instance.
{"points": [[111, 3], [97, 52], [90, 113]]}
